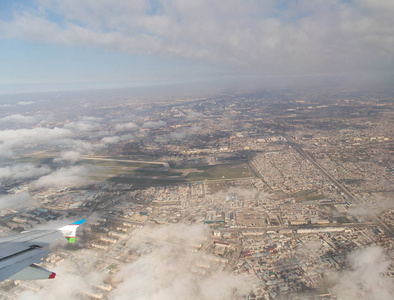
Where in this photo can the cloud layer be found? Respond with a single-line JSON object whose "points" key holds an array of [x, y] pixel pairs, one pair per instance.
{"points": [[22, 171], [11, 139], [68, 156], [154, 124], [18, 118], [168, 268], [71, 176], [126, 126], [262, 36], [17, 201]]}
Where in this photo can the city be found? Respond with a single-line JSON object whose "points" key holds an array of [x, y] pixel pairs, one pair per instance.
{"points": [[271, 195]]}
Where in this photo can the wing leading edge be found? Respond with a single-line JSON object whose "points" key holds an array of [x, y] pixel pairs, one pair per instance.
{"points": [[19, 253]]}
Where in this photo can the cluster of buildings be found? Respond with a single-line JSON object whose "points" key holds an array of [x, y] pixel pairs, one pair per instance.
{"points": [[318, 166], [288, 263]]}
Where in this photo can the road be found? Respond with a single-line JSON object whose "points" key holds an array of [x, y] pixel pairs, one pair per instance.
{"points": [[256, 172], [344, 190], [275, 228]]}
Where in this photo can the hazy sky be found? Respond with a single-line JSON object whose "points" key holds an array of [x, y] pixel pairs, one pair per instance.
{"points": [[54, 44]]}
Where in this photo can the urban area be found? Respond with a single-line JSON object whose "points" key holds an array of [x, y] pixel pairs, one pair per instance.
{"points": [[275, 195]]}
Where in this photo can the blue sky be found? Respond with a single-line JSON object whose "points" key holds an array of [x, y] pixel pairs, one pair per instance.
{"points": [[50, 44], [25, 62]]}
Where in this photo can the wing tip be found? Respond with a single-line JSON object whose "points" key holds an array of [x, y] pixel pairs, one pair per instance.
{"points": [[79, 222], [52, 276]]}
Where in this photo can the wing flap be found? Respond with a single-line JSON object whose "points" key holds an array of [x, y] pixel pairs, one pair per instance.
{"points": [[15, 263], [33, 272]]}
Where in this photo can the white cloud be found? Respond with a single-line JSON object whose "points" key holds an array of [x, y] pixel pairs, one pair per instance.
{"points": [[16, 201], [179, 134], [111, 140], [175, 136], [194, 129], [65, 177], [84, 125], [78, 145], [154, 124], [372, 206], [68, 156], [91, 119], [18, 118], [10, 139], [167, 269], [69, 282], [116, 139], [23, 171], [268, 36], [25, 102], [363, 279], [100, 134], [126, 126]]}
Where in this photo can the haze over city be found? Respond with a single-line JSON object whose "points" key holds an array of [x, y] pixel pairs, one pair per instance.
{"points": [[217, 149]]}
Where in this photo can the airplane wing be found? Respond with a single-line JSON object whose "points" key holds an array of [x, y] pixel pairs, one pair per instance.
{"points": [[19, 253]]}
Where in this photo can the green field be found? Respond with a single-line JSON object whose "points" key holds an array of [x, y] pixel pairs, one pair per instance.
{"points": [[130, 172], [200, 173]]}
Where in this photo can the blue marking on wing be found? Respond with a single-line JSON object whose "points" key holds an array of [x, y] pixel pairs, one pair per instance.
{"points": [[78, 222]]}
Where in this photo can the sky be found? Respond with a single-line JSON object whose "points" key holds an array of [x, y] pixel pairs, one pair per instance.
{"points": [[71, 44]]}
